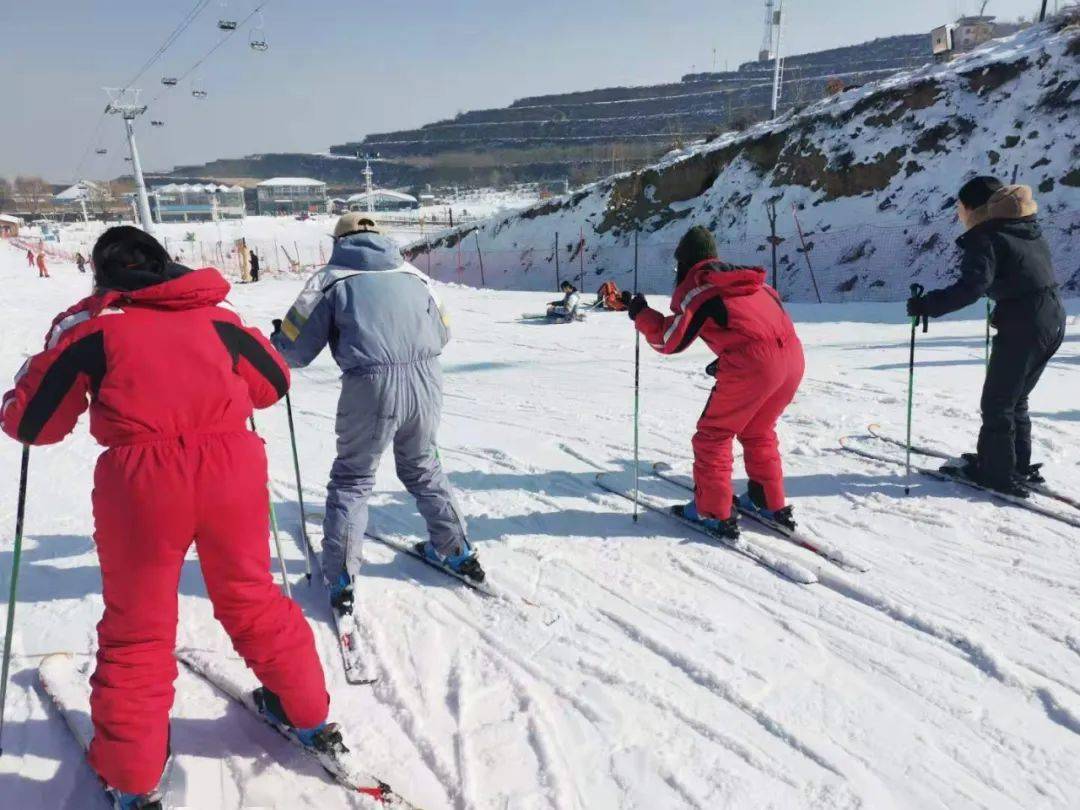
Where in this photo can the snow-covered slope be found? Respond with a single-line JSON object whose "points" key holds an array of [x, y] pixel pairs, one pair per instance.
{"points": [[677, 674], [872, 173]]}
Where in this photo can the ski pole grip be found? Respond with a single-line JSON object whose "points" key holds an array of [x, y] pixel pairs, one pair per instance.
{"points": [[918, 291]]}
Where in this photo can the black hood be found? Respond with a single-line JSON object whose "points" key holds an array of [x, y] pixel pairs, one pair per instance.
{"points": [[128, 259], [1024, 228]]}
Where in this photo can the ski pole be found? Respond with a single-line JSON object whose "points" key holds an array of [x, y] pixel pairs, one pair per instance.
{"points": [[637, 393], [299, 489], [15, 560], [988, 333], [274, 528], [917, 291]]}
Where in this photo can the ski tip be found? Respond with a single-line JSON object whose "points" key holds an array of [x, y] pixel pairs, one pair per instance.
{"points": [[662, 466]]}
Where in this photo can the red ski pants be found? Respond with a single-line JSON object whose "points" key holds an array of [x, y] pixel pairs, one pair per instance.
{"points": [[150, 502], [753, 388]]}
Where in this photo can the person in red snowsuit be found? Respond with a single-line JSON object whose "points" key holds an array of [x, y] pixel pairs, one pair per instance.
{"points": [[758, 370], [43, 270], [30, 259], [170, 376]]}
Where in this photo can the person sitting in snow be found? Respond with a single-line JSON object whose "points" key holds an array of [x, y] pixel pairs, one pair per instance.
{"points": [[608, 297], [565, 309], [171, 376], [386, 329], [1006, 258], [758, 370]]}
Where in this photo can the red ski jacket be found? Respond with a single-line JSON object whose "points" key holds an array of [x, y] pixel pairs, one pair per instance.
{"points": [[162, 362], [731, 308]]}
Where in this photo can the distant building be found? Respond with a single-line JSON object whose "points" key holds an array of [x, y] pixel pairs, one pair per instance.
{"points": [[971, 32], [9, 226], [197, 202], [292, 195], [382, 200], [83, 191]]}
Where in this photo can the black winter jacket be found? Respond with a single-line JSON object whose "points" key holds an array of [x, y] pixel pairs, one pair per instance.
{"points": [[1005, 259]]}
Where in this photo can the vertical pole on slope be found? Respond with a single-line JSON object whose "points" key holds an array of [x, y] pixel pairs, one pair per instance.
{"points": [[480, 256], [16, 558], [558, 279], [806, 253], [276, 533], [774, 241], [1042, 13], [581, 262], [299, 489], [917, 291], [637, 393]]}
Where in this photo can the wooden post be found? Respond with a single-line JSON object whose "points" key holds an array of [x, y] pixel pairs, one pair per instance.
{"points": [[480, 256]]}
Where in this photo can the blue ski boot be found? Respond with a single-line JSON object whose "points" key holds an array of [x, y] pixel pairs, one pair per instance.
{"points": [[464, 563], [136, 801], [324, 739], [754, 501], [341, 594], [724, 528]]}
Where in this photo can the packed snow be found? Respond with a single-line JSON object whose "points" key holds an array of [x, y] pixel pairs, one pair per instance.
{"points": [[656, 670]]}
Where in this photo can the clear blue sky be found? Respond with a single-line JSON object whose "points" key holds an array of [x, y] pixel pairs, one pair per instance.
{"points": [[338, 70]]}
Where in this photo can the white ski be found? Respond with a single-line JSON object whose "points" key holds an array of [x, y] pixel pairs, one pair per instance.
{"points": [[229, 680], [68, 688], [788, 569]]}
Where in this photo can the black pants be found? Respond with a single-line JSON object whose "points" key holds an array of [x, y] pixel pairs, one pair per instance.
{"points": [[1030, 331]]}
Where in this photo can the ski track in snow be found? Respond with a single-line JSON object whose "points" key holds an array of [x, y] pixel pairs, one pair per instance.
{"points": [[675, 673]]}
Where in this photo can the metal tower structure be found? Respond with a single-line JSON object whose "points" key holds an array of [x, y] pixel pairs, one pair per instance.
{"points": [[125, 103], [766, 51], [778, 56]]}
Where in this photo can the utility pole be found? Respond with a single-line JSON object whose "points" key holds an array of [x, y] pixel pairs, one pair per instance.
{"points": [[1042, 14], [124, 102]]}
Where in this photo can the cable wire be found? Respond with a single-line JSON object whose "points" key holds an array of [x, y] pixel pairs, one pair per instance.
{"points": [[192, 15]]}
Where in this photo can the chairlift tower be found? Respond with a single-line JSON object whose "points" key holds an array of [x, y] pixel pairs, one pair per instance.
{"points": [[776, 29], [125, 103]]}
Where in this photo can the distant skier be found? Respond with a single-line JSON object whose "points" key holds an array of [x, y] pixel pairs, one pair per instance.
{"points": [[171, 377], [608, 297], [30, 258], [255, 266], [386, 329], [758, 369], [80, 262], [43, 268], [566, 308], [1006, 258]]}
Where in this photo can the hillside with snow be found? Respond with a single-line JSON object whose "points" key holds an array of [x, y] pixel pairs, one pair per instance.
{"points": [[870, 174]]}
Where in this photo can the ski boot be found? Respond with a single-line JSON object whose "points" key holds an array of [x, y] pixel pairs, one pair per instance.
{"points": [[969, 468], [323, 739], [135, 801], [341, 594], [754, 501], [723, 528], [464, 563]]}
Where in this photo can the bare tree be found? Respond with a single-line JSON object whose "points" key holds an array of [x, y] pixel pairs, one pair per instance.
{"points": [[32, 192], [6, 200]]}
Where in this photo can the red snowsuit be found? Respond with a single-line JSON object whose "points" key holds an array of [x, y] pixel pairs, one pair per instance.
{"points": [[171, 378], [43, 270], [759, 367]]}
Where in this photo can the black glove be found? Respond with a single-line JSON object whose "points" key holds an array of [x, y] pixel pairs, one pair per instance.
{"points": [[277, 327], [713, 367], [626, 297], [916, 307], [637, 303]]}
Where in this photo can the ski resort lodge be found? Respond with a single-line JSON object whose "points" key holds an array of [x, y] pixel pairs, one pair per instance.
{"points": [[9, 226], [382, 200], [291, 195], [197, 203]]}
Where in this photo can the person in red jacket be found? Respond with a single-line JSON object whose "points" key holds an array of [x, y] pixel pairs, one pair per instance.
{"points": [[30, 259], [170, 375], [759, 366]]}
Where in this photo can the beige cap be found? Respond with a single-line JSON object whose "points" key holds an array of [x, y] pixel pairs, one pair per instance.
{"points": [[355, 222]]}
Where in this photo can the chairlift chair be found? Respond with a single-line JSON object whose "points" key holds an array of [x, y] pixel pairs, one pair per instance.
{"points": [[198, 93], [157, 123], [227, 25], [170, 81], [257, 40], [102, 151], [260, 45]]}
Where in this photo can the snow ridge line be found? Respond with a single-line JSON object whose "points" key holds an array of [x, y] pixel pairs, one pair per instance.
{"points": [[721, 689], [981, 657]]}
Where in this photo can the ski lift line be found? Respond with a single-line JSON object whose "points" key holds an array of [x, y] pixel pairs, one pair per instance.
{"points": [[192, 15], [228, 35]]}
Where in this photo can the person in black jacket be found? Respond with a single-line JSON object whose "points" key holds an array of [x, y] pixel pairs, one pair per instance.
{"points": [[254, 266], [1006, 258]]}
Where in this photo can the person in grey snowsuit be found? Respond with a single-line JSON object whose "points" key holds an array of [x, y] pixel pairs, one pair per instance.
{"points": [[386, 329]]}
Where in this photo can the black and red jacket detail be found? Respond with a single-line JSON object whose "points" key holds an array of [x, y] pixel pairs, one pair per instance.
{"points": [[165, 361]]}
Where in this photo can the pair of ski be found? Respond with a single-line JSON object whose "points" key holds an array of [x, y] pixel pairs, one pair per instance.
{"points": [[68, 688], [952, 473], [779, 564]]}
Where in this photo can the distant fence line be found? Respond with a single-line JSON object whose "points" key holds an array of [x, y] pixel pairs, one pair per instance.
{"points": [[856, 263]]}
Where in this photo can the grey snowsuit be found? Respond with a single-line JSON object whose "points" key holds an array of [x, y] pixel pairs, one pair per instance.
{"points": [[386, 329]]}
